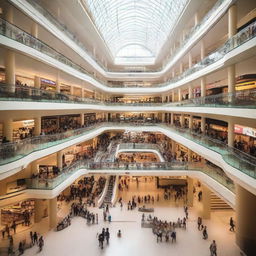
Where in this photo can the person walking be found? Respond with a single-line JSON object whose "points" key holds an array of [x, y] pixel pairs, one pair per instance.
{"points": [[232, 224], [199, 223], [41, 243], [205, 234], [107, 235], [213, 248]]}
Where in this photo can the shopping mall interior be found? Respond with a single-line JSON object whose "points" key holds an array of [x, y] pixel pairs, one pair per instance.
{"points": [[128, 127]]}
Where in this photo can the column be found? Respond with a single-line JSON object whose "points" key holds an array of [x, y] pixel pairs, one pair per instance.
{"points": [[231, 78], [181, 68], [190, 92], [179, 95], [189, 155], [173, 73], [171, 118], [189, 60], [34, 167], [52, 213], [58, 82], [232, 20], [231, 133], [190, 124], [34, 30], [9, 14], [196, 19], [173, 96], [82, 119], [203, 87], [206, 201], [163, 117], [40, 207], [202, 50], [10, 70], [190, 195], [37, 130], [82, 92], [245, 220], [173, 147], [71, 90], [203, 124], [182, 120], [8, 129], [59, 159], [37, 82]]}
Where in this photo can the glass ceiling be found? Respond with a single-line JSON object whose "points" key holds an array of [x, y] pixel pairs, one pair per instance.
{"points": [[135, 28]]}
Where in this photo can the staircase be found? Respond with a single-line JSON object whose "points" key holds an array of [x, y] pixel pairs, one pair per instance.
{"points": [[108, 197], [218, 204]]}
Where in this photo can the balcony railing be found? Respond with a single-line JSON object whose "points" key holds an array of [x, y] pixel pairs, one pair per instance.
{"points": [[49, 184], [10, 152], [239, 99], [13, 32]]}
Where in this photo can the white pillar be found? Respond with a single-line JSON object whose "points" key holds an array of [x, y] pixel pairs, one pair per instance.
{"points": [[37, 130], [58, 82], [9, 14], [231, 78], [190, 94], [10, 69], [82, 118], [190, 121], [202, 50], [173, 73], [39, 209], [231, 133], [52, 213], [171, 119], [182, 120], [189, 60], [59, 159], [196, 19], [232, 20], [203, 124], [173, 146], [181, 68], [71, 90], [37, 82], [203, 87], [34, 30], [179, 94], [8, 129], [82, 92]]}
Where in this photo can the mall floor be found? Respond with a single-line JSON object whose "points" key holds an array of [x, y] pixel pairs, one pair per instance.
{"points": [[81, 239]]}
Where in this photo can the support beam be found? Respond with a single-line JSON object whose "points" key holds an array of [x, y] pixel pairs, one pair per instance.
{"points": [[37, 130], [232, 20], [231, 133], [190, 195], [8, 129], [10, 70]]}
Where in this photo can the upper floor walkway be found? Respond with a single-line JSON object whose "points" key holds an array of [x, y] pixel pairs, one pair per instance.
{"points": [[238, 165], [238, 104], [237, 48], [35, 11]]}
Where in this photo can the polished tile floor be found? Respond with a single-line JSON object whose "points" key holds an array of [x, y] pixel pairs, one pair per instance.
{"points": [[81, 239]]}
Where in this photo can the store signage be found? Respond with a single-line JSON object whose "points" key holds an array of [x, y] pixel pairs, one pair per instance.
{"points": [[47, 81], [245, 130]]}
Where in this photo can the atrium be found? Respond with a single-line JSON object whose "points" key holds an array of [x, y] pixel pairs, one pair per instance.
{"points": [[128, 127]]}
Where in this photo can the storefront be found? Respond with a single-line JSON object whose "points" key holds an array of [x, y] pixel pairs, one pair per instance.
{"points": [[21, 213], [216, 129], [47, 84], [23, 129], [25, 81], [245, 139]]}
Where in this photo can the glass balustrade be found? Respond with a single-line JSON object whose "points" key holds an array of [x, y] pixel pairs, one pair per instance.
{"points": [[10, 152], [214, 172], [239, 99], [15, 33]]}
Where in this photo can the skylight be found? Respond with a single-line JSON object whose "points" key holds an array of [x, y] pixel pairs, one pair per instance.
{"points": [[135, 29]]}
